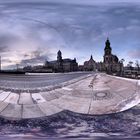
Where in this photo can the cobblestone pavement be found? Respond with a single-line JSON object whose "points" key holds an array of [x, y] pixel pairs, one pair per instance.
{"points": [[88, 93]]}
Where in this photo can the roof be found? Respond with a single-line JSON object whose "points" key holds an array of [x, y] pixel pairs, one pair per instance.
{"points": [[64, 60]]}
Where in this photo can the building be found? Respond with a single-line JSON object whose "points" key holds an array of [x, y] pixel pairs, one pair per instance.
{"points": [[90, 65], [110, 64], [62, 65]]}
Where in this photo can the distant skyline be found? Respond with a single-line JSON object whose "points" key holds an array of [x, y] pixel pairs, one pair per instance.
{"points": [[33, 32]]}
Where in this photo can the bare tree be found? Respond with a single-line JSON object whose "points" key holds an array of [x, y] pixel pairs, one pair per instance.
{"points": [[130, 63]]}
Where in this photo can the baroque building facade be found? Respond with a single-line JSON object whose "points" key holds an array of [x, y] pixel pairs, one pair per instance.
{"points": [[90, 65], [110, 64], [62, 65]]}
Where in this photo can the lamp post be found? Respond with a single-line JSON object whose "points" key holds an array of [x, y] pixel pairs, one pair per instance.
{"points": [[121, 67]]}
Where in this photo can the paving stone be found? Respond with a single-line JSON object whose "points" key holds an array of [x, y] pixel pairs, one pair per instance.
{"points": [[12, 111], [25, 98], [66, 91], [105, 95], [75, 104], [58, 93], [82, 93], [4, 95], [49, 109], [3, 105], [38, 98], [126, 94], [12, 98], [48, 95], [106, 106], [32, 111]]}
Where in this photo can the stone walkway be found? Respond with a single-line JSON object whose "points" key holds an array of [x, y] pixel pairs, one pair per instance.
{"points": [[95, 94]]}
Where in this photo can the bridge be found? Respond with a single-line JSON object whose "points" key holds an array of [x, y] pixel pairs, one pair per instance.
{"points": [[39, 95]]}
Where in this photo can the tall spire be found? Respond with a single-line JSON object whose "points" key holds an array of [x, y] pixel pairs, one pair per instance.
{"points": [[107, 43], [91, 57], [108, 48]]}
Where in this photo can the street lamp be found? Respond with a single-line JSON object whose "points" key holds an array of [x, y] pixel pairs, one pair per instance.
{"points": [[121, 66]]}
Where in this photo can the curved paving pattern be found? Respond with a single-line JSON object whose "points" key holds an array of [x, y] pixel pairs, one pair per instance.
{"points": [[86, 94]]}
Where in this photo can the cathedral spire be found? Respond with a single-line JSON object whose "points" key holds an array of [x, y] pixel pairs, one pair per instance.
{"points": [[91, 57], [108, 48], [107, 43]]}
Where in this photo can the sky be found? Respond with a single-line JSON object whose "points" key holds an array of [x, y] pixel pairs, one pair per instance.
{"points": [[74, 1], [33, 31]]}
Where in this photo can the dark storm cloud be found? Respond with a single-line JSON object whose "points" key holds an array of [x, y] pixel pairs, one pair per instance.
{"points": [[37, 57], [3, 49], [33, 61]]}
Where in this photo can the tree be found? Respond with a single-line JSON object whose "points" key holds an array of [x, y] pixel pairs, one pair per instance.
{"points": [[130, 63]]}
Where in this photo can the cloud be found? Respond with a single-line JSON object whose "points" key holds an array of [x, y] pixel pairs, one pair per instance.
{"points": [[134, 53], [73, 1], [35, 58], [35, 32], [3, 49]]}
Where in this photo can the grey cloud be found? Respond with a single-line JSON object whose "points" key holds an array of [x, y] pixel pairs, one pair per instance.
{"points": [[6, 60], [72, 1], [4, 49], [34, 61], [134, 53], [74, 28], [36, 57]]}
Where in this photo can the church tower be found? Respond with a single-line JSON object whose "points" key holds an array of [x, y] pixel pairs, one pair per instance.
{"points": [[107, 52], [59, 56], [107, 48], [59, 62]]}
